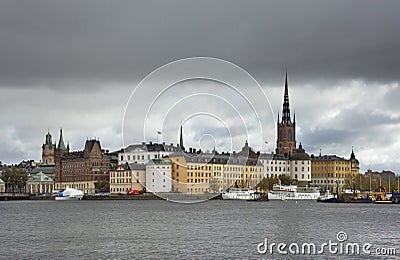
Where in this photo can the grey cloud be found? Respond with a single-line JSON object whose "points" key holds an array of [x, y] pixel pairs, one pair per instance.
{"points": [[53, 41]]}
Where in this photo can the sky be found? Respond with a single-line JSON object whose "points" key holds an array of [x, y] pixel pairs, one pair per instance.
{"points": [[121, 71]]}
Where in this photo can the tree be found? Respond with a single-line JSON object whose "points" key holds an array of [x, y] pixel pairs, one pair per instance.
{"points": [[285, 179], [102, 186], [214, 185], [15, 179], [266, 184]]}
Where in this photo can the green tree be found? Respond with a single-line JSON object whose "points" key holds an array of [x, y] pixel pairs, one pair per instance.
{"points": [[15, 179], [285, 179], [102, 186]]}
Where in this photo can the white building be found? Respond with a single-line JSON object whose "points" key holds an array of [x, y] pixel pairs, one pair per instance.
{"points": [[2, 186], [159, 175], [127, 177], [142, 153], [297, 166]]}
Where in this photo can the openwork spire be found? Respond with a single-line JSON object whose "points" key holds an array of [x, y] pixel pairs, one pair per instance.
{"points": [[286, 109]]}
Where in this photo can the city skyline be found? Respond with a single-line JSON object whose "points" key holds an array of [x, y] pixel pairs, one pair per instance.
{"points": [[78, 75]]}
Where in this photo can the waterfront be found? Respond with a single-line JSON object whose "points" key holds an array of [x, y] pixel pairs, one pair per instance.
{"points": [[158, 229]]}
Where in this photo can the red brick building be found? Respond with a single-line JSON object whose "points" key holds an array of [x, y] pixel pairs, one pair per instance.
{"points": [[84, 170]]}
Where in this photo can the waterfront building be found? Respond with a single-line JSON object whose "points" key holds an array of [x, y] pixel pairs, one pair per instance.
{"points": [[142, 153], [2, 186], [159, 175], [330, 171], [383, 175], [296, 166], [125, 177], [47, 169], [40, 183], [196, 172], [81, 169]]}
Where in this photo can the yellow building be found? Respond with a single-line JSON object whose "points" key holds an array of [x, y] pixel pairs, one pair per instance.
{"points": [[330, 171], [197, 173]]}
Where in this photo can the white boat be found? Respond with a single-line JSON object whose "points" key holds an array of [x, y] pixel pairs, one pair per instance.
{"points": [[292, 192], [70, 194], [240, 194]]}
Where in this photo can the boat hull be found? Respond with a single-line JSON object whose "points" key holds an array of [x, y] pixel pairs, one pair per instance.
{"points": [[69, 198], [330, 200], [282, 195]]}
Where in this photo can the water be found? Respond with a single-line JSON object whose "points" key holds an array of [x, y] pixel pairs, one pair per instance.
{"points": [[161, 230]]}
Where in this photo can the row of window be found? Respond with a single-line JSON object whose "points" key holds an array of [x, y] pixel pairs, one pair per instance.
{"points": [[328, 181], [329, 175], [140, 157], [286, 169], [330, 168]]}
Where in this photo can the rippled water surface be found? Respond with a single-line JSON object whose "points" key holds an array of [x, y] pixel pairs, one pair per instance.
{"points": [[210, 230]]}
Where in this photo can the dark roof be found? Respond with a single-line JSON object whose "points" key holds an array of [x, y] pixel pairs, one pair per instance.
{"points": [[300, 154], [327, 158], [223, 158], [150, 147]]}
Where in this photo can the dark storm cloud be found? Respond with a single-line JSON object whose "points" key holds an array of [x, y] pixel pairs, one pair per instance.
{"points": [[48, 42], [73, 64]]}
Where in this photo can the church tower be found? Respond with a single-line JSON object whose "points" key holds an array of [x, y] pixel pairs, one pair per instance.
{"points": [[48, 150], [286, 142]]}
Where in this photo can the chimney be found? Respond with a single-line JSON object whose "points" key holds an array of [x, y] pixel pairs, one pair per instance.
{"points": [[190, 150], [194, 150], [143, 143]]}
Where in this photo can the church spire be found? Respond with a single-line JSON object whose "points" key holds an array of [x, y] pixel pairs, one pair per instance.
{"points": [[181, 139], [286, 109], [61, 144]]}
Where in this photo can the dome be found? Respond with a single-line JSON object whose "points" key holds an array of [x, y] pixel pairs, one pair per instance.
{"points": [[300, 154]]}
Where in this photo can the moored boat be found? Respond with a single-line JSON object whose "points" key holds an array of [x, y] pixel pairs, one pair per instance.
{"points": [[327, 197], [70, 194], [292, 192], [240, 194]]}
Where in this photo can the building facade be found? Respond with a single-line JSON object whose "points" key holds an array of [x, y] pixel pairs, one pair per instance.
{"points": [[40, 183], [143, 153], [330, 171], [81, 169], [159, 175], [126, 177], [2, 186], [296, 166], [198, 173]]}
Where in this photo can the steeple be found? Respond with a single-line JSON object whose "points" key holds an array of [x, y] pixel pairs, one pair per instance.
{"points": [[286, 142], [61, 145], [181, 139], [286, 109]]}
